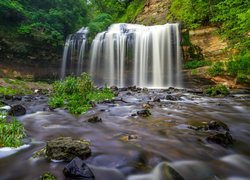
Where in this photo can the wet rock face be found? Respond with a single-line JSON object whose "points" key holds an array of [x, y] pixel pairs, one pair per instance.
{"points": [[77, 169], [17, 110], [143, 113], [67, 148], [94, 119]]}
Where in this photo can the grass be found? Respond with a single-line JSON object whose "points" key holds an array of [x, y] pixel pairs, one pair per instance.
{"points": [[14, 90], [11, 133], [77, 93], [195, 64], [218, 90]]}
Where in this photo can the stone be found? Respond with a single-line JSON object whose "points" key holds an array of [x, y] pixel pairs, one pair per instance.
{"points": [[77, 169], [156, 99], [8, 97], [217, 125], [114, 88], [94, 119], [147, 106], [17, 110], [67, 148], [172, 98], [223, 139], [143, 113], [17, 98], [132, 88]]}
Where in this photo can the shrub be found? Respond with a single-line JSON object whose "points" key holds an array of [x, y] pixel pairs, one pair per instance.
{"points": [[195, 64], [11, 133], [239, 65], [216, 69], [76, 93], [217, 90]]}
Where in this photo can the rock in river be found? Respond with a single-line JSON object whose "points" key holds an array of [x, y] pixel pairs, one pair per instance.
{"points": [[67, 148], [143, 113], [94, 119], [223, 139], [77, 169], [17, 110]]}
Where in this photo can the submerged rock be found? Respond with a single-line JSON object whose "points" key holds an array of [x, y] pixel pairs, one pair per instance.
{"points": [[94, 119], [143, 113], [223, 139], [161, 172], [67, 148], [77, 169], [17, 110]]}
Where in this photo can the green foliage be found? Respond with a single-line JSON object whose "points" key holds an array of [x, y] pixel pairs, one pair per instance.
{"points": [[195, 64], [234, 16], [192, 13], [220, 89], [134, 8], [240, 64], [231, 15], [47, 21], [11, 133], [14, 91], [216, 69], [99, 24], [77, 93]]}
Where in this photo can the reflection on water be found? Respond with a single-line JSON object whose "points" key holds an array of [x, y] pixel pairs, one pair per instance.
{"points": [[164, 136]]}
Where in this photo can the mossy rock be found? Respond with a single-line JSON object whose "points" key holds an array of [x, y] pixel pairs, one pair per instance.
{"points": [[47, 176], [67, 148]]}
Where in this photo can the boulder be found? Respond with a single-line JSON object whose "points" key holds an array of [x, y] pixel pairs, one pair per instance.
{"points": [[143, 113], [67, 148], [77, 169], [94, 119], [17, 110]]}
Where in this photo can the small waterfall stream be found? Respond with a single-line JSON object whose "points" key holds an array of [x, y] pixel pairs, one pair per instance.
{"points": [[127, 54]]}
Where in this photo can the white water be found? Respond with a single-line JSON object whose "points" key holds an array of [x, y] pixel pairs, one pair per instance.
{"points": [[130, 54]]}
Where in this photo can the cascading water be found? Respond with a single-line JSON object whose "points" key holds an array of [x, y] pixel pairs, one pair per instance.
{"points": [[74, 53], [130, 54]]}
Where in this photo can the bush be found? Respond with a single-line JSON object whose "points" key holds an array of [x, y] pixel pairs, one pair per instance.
{"points": [[217, 90], [11, 133], [239, 65], [195, 64], [77, 93], [216, 69]]}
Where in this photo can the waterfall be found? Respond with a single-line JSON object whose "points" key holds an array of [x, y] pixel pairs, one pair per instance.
{"points": [[129, 54], [74, 53]]}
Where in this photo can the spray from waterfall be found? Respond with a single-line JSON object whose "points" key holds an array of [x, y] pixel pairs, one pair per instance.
{"points": [[128, 54]]}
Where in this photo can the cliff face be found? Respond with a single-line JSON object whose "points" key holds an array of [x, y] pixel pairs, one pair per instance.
{"points": [[154, 12]]}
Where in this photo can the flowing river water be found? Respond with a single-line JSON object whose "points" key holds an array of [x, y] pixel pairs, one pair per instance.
{"points": [[164, 136]]}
